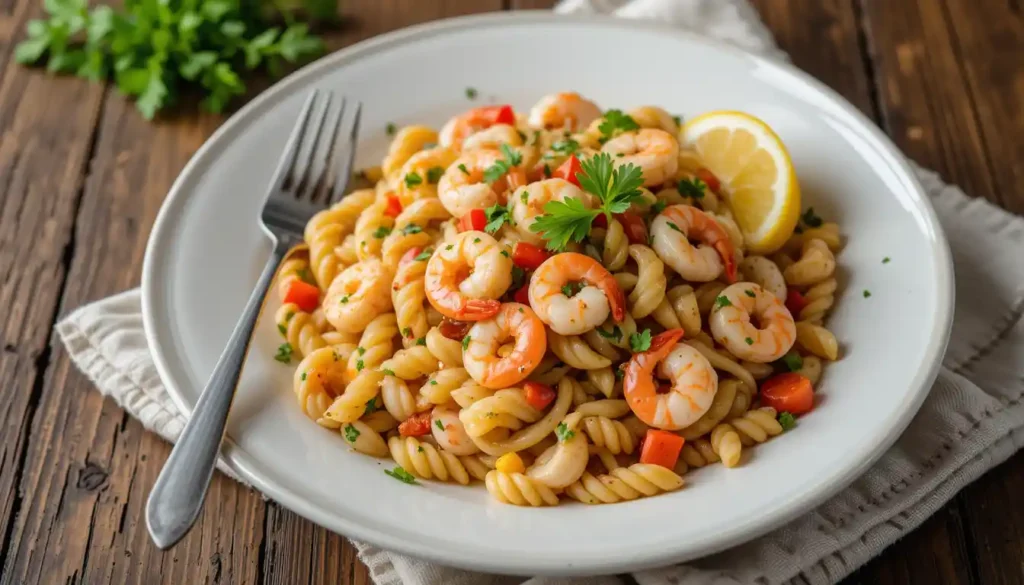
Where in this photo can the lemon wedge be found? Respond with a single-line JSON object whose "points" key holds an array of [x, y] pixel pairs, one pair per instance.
{"points": [[755, 171]]}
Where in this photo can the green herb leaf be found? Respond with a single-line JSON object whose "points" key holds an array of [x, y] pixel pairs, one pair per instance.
{"points": [[640, 341], [402, 475], [434, 174], [424, 255], [381, 232], [411, 229], [692, 188], [750, 293], [867, 293], [351, 433], [463, 168], [566, 147], [563, 433], [811, 219], [885, 260], [497, 215], [284, 353], [722, 301], [792, 361], [749, 341], [390, 129], [615, 122], [504, 165], [387, 372], [786, 420], [413, 179], [471, 93], [615, 333], [564, 221], [421, 341], [465, 342], [359, 365], [371, 406], [658, 207], [439, 424]]}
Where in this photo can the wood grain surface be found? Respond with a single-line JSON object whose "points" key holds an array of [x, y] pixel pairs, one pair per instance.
{"points": [[82, 176]]}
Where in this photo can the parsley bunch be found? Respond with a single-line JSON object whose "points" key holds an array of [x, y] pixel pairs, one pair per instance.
{"points": [[615, 187], [153, 49]]}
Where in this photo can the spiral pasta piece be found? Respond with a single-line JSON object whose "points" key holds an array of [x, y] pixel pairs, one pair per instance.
{"points": [[371, 228], [624, 483], [535, 433], [679, 310], [519, 490], [296, 267], [608, 408], [351, 404], [816, 263], [364, 439], [616, 247], [720, 407], [727, 445], [448, 351], [316, 382], [407, 142], [609, 434], [573, 350], [439, 385], [603, 380], [375, 344], [698, 453], [328, 228], [651, 281], [298, 329], [811, 369], [820, 299], [706, 294], [408, 297], [721, 361], [505, 408], [817, 340], [827, 232], [470, 393], [409, 364], [757, 426], [398, 399], [425, 461]]}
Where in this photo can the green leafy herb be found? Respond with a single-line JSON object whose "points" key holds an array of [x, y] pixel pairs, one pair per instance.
{"points": [[497, 215], [885, 260], [786, 420], [465, 342], [675, 227], [351, 433], [305, 276], [289, 316], [156, 50], [463, 168], [505, 254], [433, 382], [402, 475], [387, 372], [381, 232], [343, 299], [640, 341], [282, 329], [792, 361], [547, 171], [411, 229], [303, 376], [518, 277], [867, 293], [615, 122], [811, 219], [371, 406], [566, 147], [750, 293], [360, 350], [563, 433], [424, 255], [439, 424], [615, 333], [694, 188], [412, 179], [476, 240], [284, 353], [722, 301], [449, 246], [434, 174], [678, 120], [570, 220], [390, 129], [406, 332], [504, 165], [749, 341], [359, 365], [421, 341], [570, 289], [658, 207], [471, 93]]}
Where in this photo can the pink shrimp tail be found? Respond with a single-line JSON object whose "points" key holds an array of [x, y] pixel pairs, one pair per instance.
{"points": [[726, 252], [616, 299], [479, 309]]}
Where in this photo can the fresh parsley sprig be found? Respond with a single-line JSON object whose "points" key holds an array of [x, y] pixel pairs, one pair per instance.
{"points": [[615, 187], [503, 166], [615, 122]]}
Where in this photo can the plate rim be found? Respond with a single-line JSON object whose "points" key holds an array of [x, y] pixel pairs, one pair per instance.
{"points": [[813, 496]]}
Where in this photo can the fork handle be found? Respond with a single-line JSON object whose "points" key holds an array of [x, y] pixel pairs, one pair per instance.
{"points": [[178, 494]]}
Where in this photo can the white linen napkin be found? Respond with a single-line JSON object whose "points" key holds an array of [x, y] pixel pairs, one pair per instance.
{"points": [[972, 420]]}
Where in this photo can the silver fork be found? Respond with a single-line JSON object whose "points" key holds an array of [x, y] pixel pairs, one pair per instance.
{"points": [[309, 166]]}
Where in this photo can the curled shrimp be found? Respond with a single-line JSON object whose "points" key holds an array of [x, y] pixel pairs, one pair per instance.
{"points": [[461, 127], [676, 227], [481, 357], [359, 294], [589, 307], [655, 151], [528, 204], [693, 383], [563, 111], [766, 341], [462, 187], [465, 275]]}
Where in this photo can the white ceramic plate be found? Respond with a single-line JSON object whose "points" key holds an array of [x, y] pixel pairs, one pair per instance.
{"points": [[207, 250]]}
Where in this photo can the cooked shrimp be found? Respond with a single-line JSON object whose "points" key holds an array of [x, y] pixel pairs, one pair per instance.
{"points": [[492, 138], [586, 309], [461, 127], [676, 227], [481, 357], [563, 111], [465, 275], [449, 432], [655, 151], [654, 117], [766, 341], [358, 295], [527, 204], [461, 191], [693, 383]]}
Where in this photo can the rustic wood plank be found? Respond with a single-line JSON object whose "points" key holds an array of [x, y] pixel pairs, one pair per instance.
{"points": [[46, 133], [825, 39], [294, 549], [89, 467], [988, 41]]}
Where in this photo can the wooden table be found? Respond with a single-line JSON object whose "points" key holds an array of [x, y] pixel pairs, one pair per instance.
{"points": [[82, 176]]}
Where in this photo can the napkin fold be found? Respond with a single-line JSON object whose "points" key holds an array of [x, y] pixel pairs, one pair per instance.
{"points": [[972, 420]]}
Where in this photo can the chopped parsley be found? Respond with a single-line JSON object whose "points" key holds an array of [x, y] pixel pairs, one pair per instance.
{"points": [[387, 372], [811, 219], [749, 341], [371, 406], [567, 146], [411, 229], [675, 227], [465, 342], [750, 293], [305, 276], [792, 361], [505, 253], [406, 332], [476, 240], [692, 188], [438, 423], [504, 165], [449, 246], [571, 289], [390, 129], [351, 433], [424, 255], [867, 293], [615, 122], [343, 300], [547, 171], [722, 301], [471, 93], [421, 341], [563, 433], [303, 377], [360, 350], [658, 207], [786, 420], [885, 260], [678, 120], [434, 174], [381, 232], [615, 333], [497, 215], [359, 365], [640, 341], [402, 475], [289, 316], [433, 382], [284, 353], [412, 179], [463, 168], [282, 329]]}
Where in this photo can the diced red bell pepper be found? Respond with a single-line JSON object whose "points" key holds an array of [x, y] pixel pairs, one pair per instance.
{"points": [[634, 226], [538, 395], [394, 206], [416, 425], [661, 448], [522, 295], [410, 255], [492, 115], [453, 329], [475, 220], [568, 170], [601, 221], [303, 294], [529, 257], [788, 392], [795, 301]]}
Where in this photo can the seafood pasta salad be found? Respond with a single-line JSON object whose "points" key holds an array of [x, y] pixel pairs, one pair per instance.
{"points": [[564, 303]]}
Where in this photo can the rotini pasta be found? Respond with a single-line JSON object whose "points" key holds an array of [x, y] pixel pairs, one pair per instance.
{"points": [[624, 483], [424, 460], [650, 286]]}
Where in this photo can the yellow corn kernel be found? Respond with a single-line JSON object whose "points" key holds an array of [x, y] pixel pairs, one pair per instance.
{"points": [[510, 463]]}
